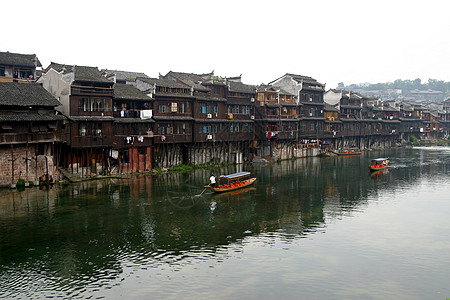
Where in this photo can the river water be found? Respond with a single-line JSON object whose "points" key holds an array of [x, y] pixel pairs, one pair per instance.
{"points": [[316, 228]]}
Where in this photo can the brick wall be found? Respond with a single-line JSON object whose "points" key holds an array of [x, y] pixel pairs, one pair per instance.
{"points": [[19, 154]]}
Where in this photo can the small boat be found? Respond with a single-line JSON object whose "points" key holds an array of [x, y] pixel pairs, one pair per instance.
{"points": [[349, 151], [378, 164], [230, 182]]}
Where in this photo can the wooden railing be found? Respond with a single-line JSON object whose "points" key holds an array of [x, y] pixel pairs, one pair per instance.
{"points": [[23, 138]]}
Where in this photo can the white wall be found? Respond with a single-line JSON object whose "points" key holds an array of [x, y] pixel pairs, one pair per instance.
{"points": [[59, 86]]}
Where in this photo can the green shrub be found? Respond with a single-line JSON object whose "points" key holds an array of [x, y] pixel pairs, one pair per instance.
{"points": [[20, 183], [413, 139]]}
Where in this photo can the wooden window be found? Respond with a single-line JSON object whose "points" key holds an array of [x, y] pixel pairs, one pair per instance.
{"points": [[165, 128], [203, 107], [83, 129], [163, 108], [245, 109], [181, 108], [214, 109]]}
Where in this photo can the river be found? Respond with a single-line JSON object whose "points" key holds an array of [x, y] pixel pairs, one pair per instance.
{"points": [[315, 228]]}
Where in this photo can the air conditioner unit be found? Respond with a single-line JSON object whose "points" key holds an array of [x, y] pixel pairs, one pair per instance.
{"points": [[209, 116], [209, 137], [310, 114], [310, 99], [252, 100], [252, 117]]}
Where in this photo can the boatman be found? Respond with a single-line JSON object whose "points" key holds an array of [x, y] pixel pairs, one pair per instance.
{"points": [[212, 181]]}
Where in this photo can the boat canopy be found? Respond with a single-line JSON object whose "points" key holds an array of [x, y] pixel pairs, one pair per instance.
{"points": [[235, 175], [378, 159]]}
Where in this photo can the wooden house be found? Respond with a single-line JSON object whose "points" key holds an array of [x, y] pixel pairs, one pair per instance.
{"points": [[86, 98], [133, 128], [172, 111], [18, 67], [333, 125], [310, 95], [31, 133]]}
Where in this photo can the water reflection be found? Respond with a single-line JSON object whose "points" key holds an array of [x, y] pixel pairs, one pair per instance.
{"points": [[70, 240]]}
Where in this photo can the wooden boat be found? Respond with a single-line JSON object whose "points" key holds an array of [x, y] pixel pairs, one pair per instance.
{"points": [[378, 164], [226, 183], [349, 151]]}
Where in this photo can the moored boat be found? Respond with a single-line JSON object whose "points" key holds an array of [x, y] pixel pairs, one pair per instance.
{"points": [[378, 164], [349, 151], [230, 182]]}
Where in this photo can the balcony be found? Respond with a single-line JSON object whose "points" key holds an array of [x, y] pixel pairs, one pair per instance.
{"points": [[23, 138], [92, 141], [173, 138], [89, 90], [124, 141]]}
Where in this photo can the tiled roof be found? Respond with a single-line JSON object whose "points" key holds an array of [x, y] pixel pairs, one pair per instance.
{"points": [[164, 83], [122, 75], [82, 73], [328, 107], [190, 79], [25, 94], [16, 59], [128, 91], [300, 78], [241, 88], [30, 116], [89, 74]]}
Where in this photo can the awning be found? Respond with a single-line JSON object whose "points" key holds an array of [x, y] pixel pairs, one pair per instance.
{"points": [[236, 175]]}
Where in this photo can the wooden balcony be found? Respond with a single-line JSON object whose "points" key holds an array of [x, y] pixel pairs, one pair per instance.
{"points": [[125, 142], [92, 141], [172, 138], [89, 90], [30, 138]]}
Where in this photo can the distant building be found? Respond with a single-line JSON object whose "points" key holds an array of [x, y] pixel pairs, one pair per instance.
{"points": [[426, 95]]}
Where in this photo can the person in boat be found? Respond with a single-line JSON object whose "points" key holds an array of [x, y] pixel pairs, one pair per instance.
{"points": [[212, 181]]}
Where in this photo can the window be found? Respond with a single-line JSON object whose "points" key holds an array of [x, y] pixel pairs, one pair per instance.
{"points": [[233, 109], [163, 108], [95, 105], [180, 128], [203, 108], [83, 128], [165, 129], [25, 73], [97, 129], [234, 127], [205, 129], [181, 108], [245, 110], [214, 109], [82, 104]]}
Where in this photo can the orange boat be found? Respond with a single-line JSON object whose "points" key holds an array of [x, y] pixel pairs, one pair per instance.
{"points": [[349, 151], [378, 164], [226, 183]]}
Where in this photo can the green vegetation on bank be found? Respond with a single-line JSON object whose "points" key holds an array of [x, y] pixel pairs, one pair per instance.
{"points": [[416, 142], [405, 85]]}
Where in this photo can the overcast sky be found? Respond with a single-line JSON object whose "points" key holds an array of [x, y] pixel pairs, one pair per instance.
{"points": [[331, 40]]}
